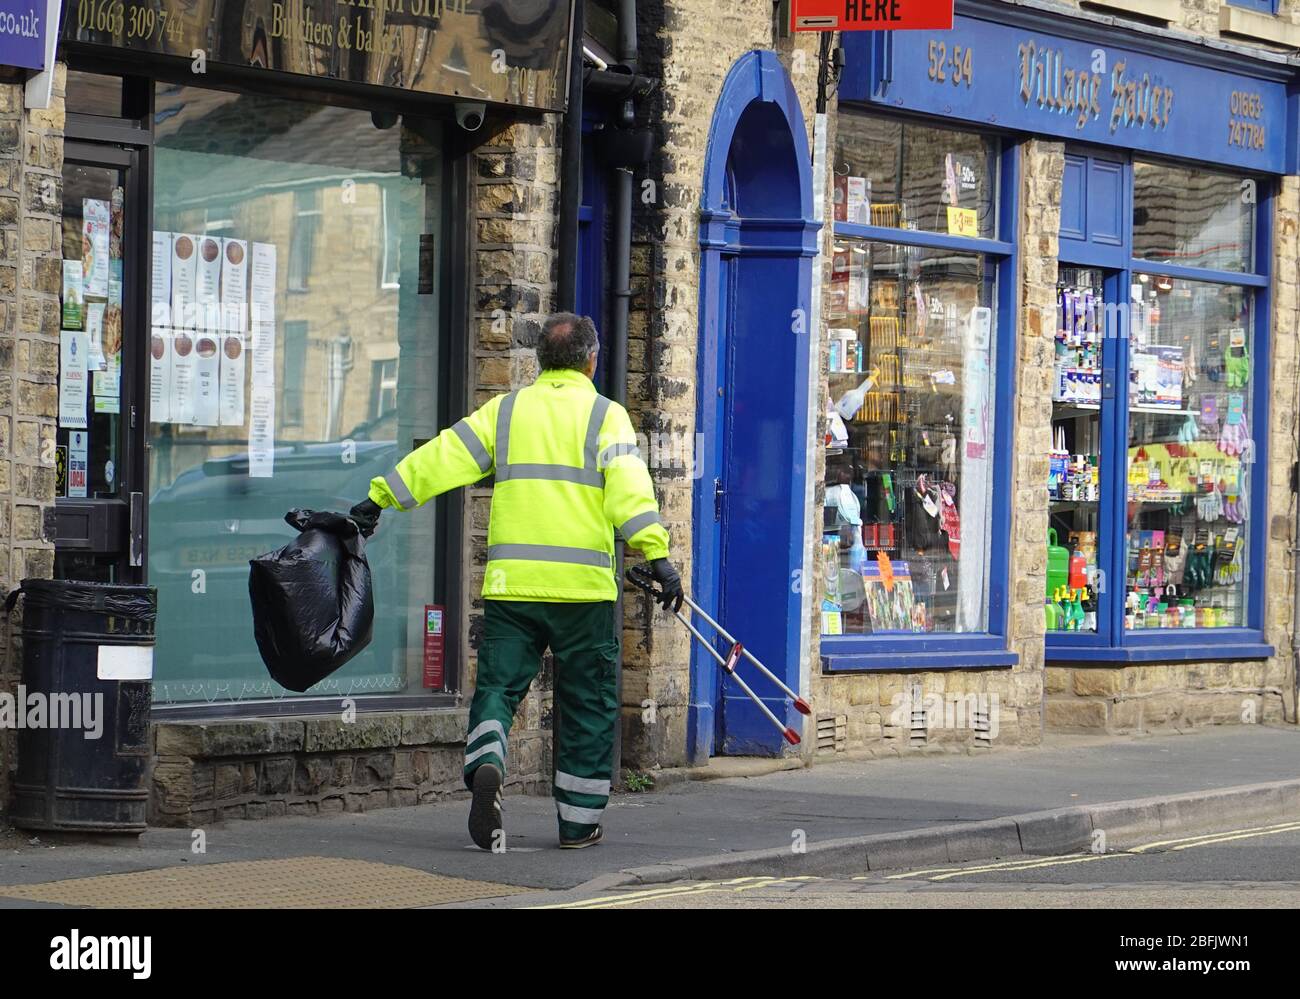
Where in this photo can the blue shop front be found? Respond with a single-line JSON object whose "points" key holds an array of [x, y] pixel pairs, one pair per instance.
{"points": [[1053, 333], [1156, 460]]}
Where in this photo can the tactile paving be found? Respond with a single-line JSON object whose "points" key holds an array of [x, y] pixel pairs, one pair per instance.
{"points": [[293, 883]]}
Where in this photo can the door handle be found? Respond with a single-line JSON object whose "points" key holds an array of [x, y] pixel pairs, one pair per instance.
{"points": [[136, 542], [718, 493]]}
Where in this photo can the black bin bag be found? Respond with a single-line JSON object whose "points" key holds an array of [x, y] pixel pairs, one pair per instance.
{"points": [[313, 608]]}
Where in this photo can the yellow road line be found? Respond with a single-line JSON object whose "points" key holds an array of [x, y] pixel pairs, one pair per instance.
{"points": [[1049, 862], [667, 890], [1245, 835], [1280, 827], [940, 870], [734, 886]]}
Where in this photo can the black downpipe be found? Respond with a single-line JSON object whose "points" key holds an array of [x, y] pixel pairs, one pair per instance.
{"points": [[566, 294], [622, 285]]}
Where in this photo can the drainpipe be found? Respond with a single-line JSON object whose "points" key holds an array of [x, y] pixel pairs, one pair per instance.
{"points": [[566, 293], [622, 237], [621, 281]]}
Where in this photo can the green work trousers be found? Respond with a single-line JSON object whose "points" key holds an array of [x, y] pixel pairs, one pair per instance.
{"points": [[584, 645]]}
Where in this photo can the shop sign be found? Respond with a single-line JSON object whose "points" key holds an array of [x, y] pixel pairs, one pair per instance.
{"points": [[513, 52], [1009, 76], [869, 15], [23, 30]]}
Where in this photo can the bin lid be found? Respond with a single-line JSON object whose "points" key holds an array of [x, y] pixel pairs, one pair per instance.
{"points": [[133, 601]]}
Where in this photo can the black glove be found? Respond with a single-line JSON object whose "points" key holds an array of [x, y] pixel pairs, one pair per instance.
{"points": [[366, 514], [670, 583]]}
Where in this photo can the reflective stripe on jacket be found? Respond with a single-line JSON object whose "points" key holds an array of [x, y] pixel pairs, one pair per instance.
{"points": [[568, 471]]}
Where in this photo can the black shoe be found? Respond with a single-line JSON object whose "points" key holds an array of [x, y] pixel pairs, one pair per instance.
{"points": [[485, 808], [591, 839]]}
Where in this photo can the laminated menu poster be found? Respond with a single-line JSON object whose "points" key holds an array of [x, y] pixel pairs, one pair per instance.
{"points": [[184, 262], [96, 218], [160, 375], [112, 339], [207, 374], [74, 351], [261, 433], [207, 281], [232, 379], [234, 285], [160, 292], [72, 297], [78, 463], [182, 379], [117, 223], [95, 335]]}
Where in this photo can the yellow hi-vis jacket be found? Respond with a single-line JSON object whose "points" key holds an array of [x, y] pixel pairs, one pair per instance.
{"points": [[568, 471]]}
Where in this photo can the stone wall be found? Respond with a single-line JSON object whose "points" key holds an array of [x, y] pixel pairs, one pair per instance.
{"points": [[207, 772], [515, 197], [31, 168]]}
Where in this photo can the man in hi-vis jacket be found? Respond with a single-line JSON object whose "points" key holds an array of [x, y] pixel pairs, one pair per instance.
{"points": [[568, 472]]}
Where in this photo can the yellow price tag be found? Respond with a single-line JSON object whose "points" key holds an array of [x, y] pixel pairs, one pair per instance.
{"points": [[963, 222]]}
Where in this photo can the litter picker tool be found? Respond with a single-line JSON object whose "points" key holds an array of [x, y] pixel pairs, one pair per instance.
{"points": [[639, 576]]}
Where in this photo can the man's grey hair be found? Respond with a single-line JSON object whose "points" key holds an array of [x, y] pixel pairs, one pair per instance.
{"points": [[567, 341]]}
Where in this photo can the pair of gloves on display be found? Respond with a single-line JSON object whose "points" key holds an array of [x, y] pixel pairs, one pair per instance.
{"points": [[1234, 438], [670, 596]]}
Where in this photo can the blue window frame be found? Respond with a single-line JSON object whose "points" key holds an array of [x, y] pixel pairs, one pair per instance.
{"points": [[1185, 286], [978, 267], [1263, 6]]}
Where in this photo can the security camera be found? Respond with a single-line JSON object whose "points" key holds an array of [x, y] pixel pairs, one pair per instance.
{"points": [[470, 115]]}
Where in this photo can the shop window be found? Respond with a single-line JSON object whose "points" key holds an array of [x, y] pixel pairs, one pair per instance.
{"points": [[1189, 454], [913, 545], [1262, 6], [908, 176], [1156, 417], [1193, 218], [276, 377]]}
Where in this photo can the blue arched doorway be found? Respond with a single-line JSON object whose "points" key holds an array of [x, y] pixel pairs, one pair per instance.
{"points": [[757, 243]]}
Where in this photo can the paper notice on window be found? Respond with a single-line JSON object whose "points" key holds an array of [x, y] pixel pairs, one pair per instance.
{"points": [[95, 221], [263, 348], [95, 335], [207, 281], [261, 433], [182, 380], [207, 380], [78, 462], [184, 262], [160, 291], [74, 376], [73, 302], [160, 376], [963, 222], [262, 274], [232, 380], [107, 385], [234, 286]]}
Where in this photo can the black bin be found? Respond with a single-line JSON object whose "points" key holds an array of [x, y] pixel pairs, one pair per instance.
{"points": [[88, 656]]}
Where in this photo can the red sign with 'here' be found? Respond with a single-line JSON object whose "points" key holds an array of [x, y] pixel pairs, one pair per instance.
{"points": [[869, 15]]}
